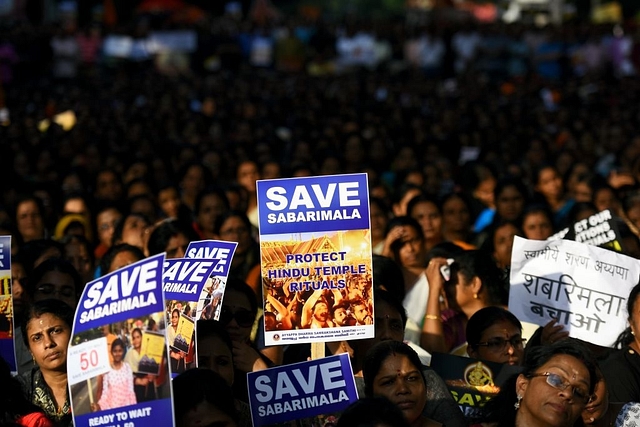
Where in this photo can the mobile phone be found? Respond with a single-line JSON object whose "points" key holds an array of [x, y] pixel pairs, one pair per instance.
{"points": [[445, 270]]}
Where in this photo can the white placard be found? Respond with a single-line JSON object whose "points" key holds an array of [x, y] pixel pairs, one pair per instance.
{"points": [[88, 360], [585, 287]]}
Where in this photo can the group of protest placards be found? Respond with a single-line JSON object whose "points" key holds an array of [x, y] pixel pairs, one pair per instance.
{"points": [[315, 259]]}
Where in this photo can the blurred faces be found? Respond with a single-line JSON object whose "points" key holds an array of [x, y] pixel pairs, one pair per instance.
{"points": [[206, 414], [48, 338], [388, 323], [247, 175], [503, 243], [78, 255], [598, 405], [234, 229], [175, 317], [169, 202], [549, 184], [500, 343], [379, 220], [211, 207], [133, 231], [510, 203], [543, 404], [106, 222], [428, 215], [235, 301], [177, 246], [455, 215], [214, 354], [29, 220], [18, 282], [136, 340], [537, 226], [108, 186], [58, 285], [122, 259], [411, 252], [402, 383], [117, 352]]}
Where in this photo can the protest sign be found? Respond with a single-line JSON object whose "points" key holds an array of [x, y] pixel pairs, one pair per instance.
{"points": [[584, 287], [104, 387], [599, 229], [471, 382], [183, 282], [301, 390], [7, 318], [210, 298], [315, 249]]}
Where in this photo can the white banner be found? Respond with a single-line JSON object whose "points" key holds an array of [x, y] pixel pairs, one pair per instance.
{"points": [[87, 360], [584, 287]]}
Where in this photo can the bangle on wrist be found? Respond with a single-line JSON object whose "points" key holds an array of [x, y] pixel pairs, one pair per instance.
{"points": [[432, 317]]}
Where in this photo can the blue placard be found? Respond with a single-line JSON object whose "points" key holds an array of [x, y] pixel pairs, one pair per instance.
{"points": [[299, 205], [7, 328], [183, 281], [102, 385], [301, 390], [210, 299], [125, 293], [184, 278], [214, 249]]}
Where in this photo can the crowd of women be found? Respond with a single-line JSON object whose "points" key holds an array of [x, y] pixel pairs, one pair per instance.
{"points": [[456, 168]]}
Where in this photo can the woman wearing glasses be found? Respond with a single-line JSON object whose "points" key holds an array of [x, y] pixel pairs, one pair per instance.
{"points": [[495, 335], [552, 390]]}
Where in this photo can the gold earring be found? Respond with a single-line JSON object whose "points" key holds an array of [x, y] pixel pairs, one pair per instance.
{"points": [[475, 295]]}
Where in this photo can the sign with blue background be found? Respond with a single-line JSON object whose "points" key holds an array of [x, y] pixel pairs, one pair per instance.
{"points": [[299, 205], [110, 309], [301, 390], [7, 317]]}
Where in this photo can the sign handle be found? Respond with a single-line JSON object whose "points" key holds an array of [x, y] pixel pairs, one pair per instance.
{"points": [[317, 350], [90, 388]]}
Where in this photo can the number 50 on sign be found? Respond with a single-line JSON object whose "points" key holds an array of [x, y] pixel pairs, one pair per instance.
{"points": [[87, 360]]}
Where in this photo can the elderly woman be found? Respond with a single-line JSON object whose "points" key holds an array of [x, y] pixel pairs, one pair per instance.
{"points": [[47, 330]]}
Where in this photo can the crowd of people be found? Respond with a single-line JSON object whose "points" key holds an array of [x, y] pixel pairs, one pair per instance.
{"points": [[470, 134]]}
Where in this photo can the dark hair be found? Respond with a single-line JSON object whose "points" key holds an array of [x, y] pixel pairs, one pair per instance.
{"points": [[71, 238], [109, 256], [138, 330], [212, 328], [163, 233], [117, 232], [198, 385], [51, 306], [118, 342], [372, 412], [32, 250], [54, 264], [401, 221], [511, 181], [483, 319], [501, 408], [537, 208], [626, 337], [478, 263], [210, 191], [423, 198], [379, 353], [380, 295], [231, 214], [388, 274], [241, 287], [12, 400]]}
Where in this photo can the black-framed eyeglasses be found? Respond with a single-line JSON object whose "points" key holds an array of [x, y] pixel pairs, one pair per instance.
{"points": [[556, 381], [499, 344], [244, 318], [50, 289]]}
